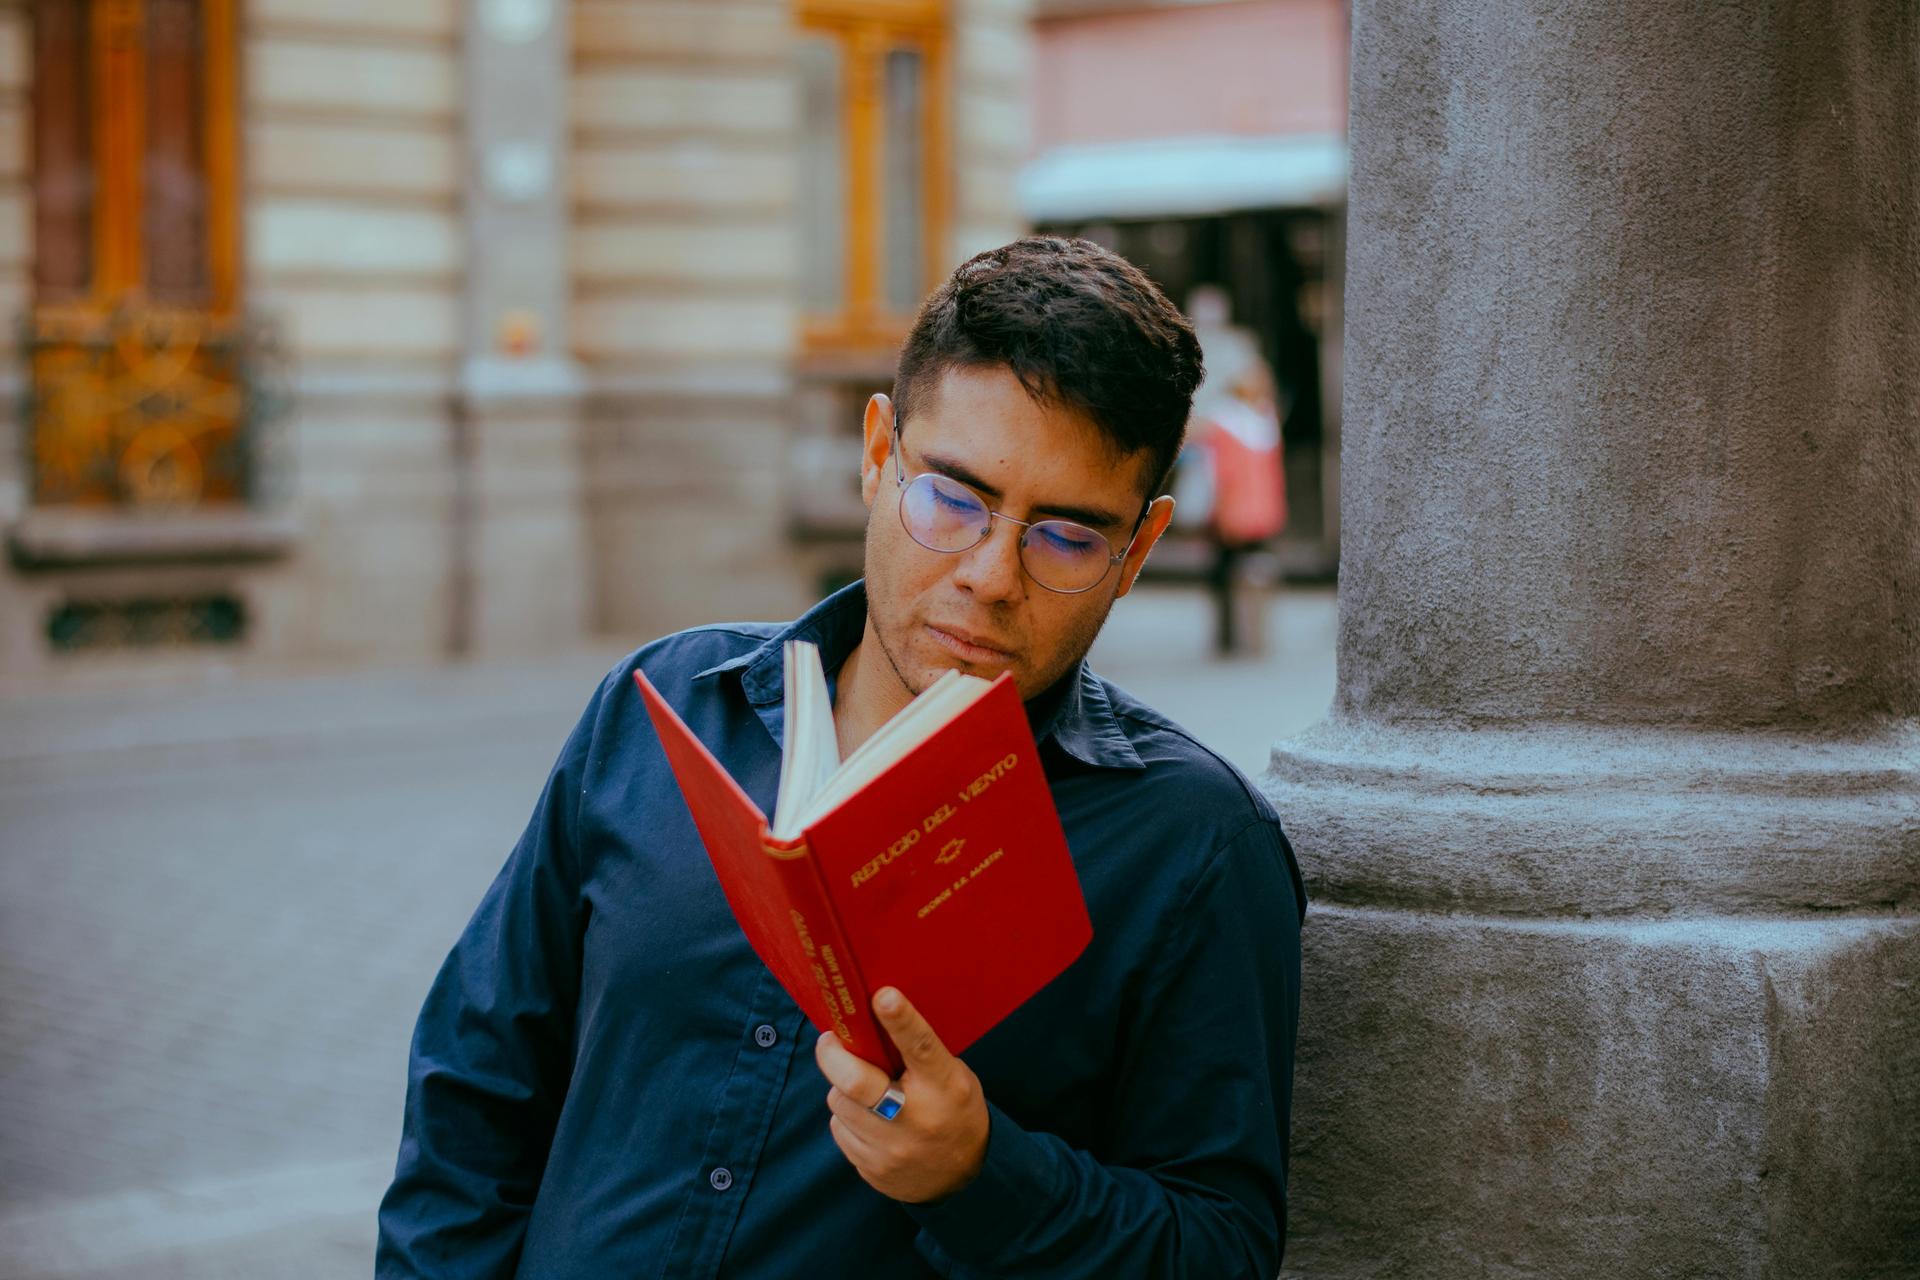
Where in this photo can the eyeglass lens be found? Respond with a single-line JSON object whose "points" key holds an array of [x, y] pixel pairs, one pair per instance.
{"points": [[944, 515]]}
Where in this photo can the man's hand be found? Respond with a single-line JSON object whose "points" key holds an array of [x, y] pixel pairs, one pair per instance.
{"points": [[938, 1142]]}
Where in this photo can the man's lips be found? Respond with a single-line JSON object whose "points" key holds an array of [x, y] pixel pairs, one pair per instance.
{"points": [[968, 646]]}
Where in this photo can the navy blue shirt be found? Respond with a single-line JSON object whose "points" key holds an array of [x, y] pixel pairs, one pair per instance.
{"points": [[606, 1082]]}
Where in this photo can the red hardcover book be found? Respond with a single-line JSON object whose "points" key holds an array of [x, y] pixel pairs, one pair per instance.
{"points": [[934, 863]]}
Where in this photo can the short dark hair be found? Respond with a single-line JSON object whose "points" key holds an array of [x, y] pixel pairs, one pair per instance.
{"points": [[1079, 326]]}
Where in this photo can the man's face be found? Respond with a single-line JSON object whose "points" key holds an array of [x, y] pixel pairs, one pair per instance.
{"points": [[977, 610]]}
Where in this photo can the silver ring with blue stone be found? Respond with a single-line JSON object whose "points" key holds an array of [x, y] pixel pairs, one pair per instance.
{"points": [[890, 1103]]}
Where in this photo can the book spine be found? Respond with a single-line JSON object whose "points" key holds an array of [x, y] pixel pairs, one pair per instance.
{"points": [[849, 1003]]}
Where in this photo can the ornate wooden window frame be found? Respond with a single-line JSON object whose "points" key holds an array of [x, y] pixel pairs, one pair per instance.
{"points": [[866, 30], [120, 380]]}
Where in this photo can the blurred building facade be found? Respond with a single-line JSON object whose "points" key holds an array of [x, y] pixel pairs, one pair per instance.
{"points": [[1207, 143], [376, 330]]}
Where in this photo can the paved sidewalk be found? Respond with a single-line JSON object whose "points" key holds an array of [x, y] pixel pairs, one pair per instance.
{"points": [[220, 907]]}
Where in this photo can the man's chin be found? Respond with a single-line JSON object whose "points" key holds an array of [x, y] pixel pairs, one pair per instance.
{"points": [[920, 659], [933, 665]]}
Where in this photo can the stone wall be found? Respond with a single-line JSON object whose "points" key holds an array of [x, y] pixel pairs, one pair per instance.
{"points": [[355, 247], [683, 265], [992, 123], [16, 205], [21, 604]]}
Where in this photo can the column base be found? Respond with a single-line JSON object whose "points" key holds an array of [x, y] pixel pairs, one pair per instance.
{"points": [[1605, 1002], [1704, 1097]]}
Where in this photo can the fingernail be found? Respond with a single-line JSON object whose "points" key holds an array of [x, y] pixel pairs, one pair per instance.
{"points": [[888, 1001]]}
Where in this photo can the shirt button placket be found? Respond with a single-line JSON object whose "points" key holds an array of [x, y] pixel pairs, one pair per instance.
{"points": [[765, 1036], [720, 1179]]}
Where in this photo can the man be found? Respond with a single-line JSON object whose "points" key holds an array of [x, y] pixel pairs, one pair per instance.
{"points": [[605, 1080]]}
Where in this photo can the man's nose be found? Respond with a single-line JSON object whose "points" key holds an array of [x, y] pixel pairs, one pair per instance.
{"points": [[990, 570]]}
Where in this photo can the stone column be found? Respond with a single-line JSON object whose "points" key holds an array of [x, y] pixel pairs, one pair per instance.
{"points": [[1614, 828], [520, 553]]}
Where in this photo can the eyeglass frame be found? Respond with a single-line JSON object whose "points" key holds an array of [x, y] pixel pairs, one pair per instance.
{"points": [[901, 482]]}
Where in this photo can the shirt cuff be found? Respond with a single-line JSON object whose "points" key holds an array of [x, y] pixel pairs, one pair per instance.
{"points": [[1016, 1188]]}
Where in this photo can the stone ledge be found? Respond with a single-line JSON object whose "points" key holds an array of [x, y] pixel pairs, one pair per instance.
{"points": [[53, 538], [1569, 822], [1572, 757], [491, 381]]}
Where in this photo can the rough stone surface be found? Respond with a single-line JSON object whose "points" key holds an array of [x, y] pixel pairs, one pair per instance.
{"points": [[1647, 1099], [1614, 832], [1633, 362]]}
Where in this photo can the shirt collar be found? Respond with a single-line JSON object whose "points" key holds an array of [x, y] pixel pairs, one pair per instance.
{"points": [[835, 625], [1076, 712], [1078, 715]]}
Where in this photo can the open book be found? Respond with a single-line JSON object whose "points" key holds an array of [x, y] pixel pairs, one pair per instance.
{"points": [[930, 859]]}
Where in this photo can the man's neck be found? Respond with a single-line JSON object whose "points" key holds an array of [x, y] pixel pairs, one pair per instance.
{"points": [[867, 693]]}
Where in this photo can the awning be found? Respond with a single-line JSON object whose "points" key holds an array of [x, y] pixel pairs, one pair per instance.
{"points": [[1183, 177]]}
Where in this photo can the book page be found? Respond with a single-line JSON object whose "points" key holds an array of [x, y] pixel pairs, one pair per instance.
{"points": [[812, 752]]}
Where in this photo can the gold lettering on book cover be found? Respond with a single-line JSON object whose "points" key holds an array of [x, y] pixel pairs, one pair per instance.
{"points": [[840, 1027], [911, 837], [946, 895], [826, 984], [839, 980], [800, 927], [896, 849], [973, 790]]}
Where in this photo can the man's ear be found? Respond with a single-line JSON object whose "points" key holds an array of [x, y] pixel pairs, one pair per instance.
{"points": [[1159, 514], [876, 446]]}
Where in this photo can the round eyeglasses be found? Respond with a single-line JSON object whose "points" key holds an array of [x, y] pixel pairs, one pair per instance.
{"points": [[942, 514]]}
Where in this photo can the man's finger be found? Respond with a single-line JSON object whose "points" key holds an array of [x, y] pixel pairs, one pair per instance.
{"points": [[919, 1047], [850, 1075], [853, 1145], [852, 1111]]}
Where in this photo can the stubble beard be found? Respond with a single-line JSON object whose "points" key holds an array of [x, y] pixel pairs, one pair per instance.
{"points": [[1080, 639]]}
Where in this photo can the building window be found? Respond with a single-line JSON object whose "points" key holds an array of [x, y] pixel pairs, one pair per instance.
{"points": [[873, 175], [137, 356]]}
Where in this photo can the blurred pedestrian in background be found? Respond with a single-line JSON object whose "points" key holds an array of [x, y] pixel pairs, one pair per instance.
{"points": [[1231, 476]]}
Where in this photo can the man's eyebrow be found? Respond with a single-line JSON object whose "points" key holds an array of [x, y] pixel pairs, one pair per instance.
{"points": [[1095, 517]]}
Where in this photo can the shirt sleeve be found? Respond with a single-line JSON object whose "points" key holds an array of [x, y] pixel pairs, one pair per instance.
{"points": [[1193, 1180], [492, 1052]]}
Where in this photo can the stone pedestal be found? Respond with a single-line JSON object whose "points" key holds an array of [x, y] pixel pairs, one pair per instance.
{"points": [[1614, 830]]}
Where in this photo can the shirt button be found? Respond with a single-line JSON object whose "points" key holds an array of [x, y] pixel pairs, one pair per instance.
{"points": [[764, 1035], [721, 1179]]}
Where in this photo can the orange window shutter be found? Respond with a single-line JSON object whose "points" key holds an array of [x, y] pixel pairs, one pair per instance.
{"points": [[220, 106], [63, 195], [863, 177], [119, 99], [173, 179]]}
